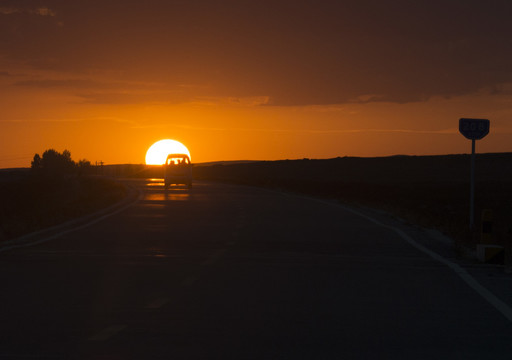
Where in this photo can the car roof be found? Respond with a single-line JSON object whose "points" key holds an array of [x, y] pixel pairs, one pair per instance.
{"points": [[170, 156]]}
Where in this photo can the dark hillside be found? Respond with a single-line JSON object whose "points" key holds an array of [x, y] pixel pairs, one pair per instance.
{"points": [[369, 170], [31, 203], [430, 191]]}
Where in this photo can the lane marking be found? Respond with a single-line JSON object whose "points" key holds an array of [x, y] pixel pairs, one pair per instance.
{"points": [[157, 303], [492, 299], [107, 333]]}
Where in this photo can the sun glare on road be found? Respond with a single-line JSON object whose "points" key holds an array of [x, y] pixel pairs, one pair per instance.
{"points": [[157, 153]]}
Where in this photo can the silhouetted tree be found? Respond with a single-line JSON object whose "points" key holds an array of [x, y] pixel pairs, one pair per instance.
{"points": [[53, 163], [84, 166], [36, 163], [84, 163]]}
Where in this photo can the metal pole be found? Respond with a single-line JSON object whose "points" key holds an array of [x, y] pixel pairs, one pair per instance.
{"points": [[472, 195]]}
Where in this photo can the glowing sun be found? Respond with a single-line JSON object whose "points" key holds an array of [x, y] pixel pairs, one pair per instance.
{"points": [[157, 153]]}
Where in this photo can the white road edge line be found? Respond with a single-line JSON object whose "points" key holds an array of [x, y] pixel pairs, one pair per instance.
{"points": [[499, 305], [107, 333]]}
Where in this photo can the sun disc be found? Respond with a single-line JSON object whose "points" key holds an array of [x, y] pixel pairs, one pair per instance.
{"points": [[157, 153]]}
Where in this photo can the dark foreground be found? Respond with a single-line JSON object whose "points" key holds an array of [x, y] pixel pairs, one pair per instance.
{"points": [[431, 191], [229, 272], [31, 203]]}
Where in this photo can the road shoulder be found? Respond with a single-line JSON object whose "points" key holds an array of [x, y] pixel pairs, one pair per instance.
{"points": [[50, 233]]}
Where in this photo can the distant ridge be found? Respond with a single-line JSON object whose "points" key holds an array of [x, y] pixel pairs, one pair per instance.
{"points": [[226, 162], [388, 169], [503, 155], [17, 169]]}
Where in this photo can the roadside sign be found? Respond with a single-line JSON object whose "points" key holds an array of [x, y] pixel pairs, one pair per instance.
{"points": [[474, 129]]}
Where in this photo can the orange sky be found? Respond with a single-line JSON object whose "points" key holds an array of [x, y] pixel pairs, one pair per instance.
{"points": [[251, 80]]}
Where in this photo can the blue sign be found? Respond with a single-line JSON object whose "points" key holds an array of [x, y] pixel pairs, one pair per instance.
{"points": [[474, 129]]}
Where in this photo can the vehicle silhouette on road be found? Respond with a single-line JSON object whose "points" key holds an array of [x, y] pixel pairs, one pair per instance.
{"points": [[178, 170]]}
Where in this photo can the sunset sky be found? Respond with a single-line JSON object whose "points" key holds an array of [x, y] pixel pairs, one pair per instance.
{"points": [[252, 79]]}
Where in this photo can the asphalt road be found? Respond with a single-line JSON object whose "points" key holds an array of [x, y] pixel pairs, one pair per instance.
{"points": [[231, 272]]}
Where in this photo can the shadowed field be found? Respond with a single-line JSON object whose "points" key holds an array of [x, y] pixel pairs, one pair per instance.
{"points": [[431, 191], [30, 204]]}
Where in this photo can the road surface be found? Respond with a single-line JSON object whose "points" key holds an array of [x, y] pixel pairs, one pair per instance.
{"points": [[232, 272]]}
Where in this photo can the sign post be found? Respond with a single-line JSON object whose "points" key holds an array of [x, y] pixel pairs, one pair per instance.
{"points": [[473, 129]]}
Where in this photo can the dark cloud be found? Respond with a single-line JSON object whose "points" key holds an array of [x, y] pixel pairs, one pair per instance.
{"points": [[69, 83], [115, 92], [131, 97], [40, 11], [294, 52]]}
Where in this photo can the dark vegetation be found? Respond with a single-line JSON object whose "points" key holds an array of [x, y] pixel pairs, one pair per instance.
{"points": [[54, 190], [430, 191]]}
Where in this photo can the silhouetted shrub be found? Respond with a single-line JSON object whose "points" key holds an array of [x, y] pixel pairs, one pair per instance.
{"points": [[53, 164], [36, 163], [84, 167]]}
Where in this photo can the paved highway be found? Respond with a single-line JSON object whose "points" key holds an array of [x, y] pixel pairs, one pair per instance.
{"points": [[232, 272]]}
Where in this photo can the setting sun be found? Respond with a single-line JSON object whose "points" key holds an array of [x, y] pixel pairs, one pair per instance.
{"points": [[157, 153]]}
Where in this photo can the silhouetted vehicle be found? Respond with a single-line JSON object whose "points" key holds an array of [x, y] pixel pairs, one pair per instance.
{"points": [[178, 170]]}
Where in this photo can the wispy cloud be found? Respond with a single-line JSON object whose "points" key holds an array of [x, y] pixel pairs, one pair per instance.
{"points": [[40, 120], [406, 131], [93, 91], [9, 10], [249, 101], [322, 131], [363, 99], [67, 83], [72, 120], [44, 11], [41, 11]]}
